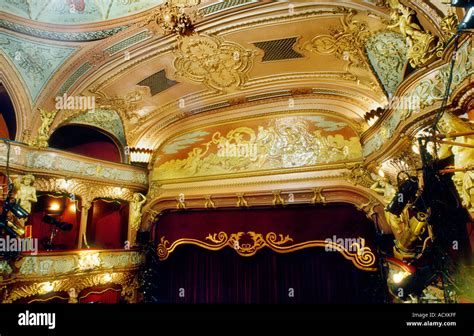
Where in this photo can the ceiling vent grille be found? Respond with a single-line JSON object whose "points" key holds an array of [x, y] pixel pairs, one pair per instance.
{"points": [[157, 82], [277, 50]]}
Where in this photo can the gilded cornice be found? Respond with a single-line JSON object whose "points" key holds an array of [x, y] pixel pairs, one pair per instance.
{"points": [[279, 13], [161, 129], [330, 188]]}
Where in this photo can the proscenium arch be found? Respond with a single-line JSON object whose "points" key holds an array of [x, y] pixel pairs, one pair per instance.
{"points": [[362, 198], [361, 255]]}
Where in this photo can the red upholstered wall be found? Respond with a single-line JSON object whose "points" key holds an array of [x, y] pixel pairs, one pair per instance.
{"points": [[107, 224], [99, 150], [64, 240]]}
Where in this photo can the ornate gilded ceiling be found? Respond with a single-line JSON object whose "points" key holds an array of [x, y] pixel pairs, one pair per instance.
{"points": [[245, 58]]}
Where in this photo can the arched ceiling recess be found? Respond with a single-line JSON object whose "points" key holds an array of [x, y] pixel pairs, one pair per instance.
{"points": [[284, 51], [273, 64]]}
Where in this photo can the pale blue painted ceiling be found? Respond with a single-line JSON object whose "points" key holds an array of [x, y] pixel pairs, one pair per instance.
{"points": [[387, 53], [35, 62], [75, 11]]}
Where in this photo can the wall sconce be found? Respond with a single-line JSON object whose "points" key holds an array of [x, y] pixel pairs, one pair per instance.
{"points": [[46, 287], [54, 206], [140, 155]]}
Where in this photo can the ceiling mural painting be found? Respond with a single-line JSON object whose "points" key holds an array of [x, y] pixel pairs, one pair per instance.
{"points": [[290, 141], [387, 53], [35, 62], [75, 11], [61, 36]]}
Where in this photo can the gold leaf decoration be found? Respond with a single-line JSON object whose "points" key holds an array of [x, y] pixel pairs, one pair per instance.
{"points": [[220, 65], [247, 244]]}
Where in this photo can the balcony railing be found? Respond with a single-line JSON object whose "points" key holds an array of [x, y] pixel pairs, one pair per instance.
{"points": [[60, 163]]}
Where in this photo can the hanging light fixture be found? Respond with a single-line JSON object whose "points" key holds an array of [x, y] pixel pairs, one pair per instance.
{"points": [[172, 18]]}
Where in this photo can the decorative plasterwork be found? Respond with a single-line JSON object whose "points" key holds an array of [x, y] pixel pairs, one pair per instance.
{"points": [[219, 65], [73, 285], [387, 53], [54, 162], [61, 272], [35, 62], [284, 142], [171, 18], [69, 263], [108, 107], [422, 95], [87, 191], [345, 43], [107, 120], [449, 24], [359, 175], [42, 137], [327, 185], [422, 46], [361, 256]]}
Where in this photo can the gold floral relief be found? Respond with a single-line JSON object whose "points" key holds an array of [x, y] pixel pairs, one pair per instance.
{"points": [[346, 42], [220, 65], [281, 143]]}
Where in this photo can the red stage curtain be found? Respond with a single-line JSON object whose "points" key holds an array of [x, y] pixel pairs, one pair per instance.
{"points": [[223, 276], [308, 276], [300, 223]]}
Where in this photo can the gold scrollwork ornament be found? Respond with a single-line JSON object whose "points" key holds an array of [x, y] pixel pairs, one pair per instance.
{"points": [[422, 46], [220, 65]]}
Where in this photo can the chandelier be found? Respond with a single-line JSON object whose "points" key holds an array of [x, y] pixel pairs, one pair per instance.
{"points": [[172, 18]]}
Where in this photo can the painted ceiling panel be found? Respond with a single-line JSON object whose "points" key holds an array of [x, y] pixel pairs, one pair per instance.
{"points": [[302, 139], [107, 120], [75, 11], [387, 53], [35, 62]]}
